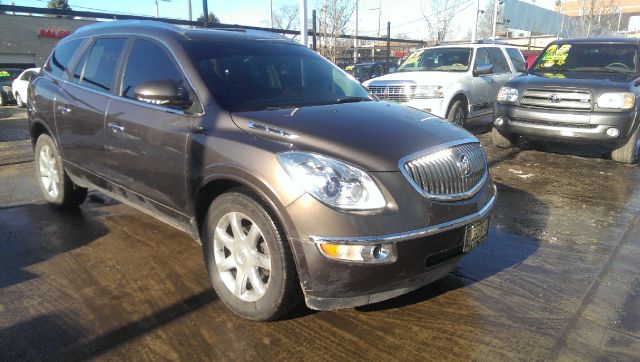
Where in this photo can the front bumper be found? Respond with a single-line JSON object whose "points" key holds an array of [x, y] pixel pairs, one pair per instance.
{"points": [[431, 105], [422, 255], [565, 126]]}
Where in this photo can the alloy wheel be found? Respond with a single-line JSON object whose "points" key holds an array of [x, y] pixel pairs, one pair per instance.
{"points": [[242, 256], [49, 175]]}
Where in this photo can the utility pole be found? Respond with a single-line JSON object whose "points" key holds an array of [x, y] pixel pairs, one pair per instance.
{"points": [[495, 19], [561, 4], [205, 11], [190, 12], [304, 40], [474, 34], [271, 14], [314, 19], [355, 39], [388, 43], [157, 10]]}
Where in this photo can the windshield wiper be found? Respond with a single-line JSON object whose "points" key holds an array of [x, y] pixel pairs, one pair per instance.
{"points": [[349, 100]]}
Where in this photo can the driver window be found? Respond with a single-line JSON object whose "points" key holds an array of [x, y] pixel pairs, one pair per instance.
{"points": [[482, 57]]}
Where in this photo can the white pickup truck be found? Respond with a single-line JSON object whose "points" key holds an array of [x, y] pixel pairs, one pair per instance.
{"points": [[457, 82]]}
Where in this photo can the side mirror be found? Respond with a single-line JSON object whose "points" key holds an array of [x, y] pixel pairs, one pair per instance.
{"points": [[483, 69], [162, 93]]}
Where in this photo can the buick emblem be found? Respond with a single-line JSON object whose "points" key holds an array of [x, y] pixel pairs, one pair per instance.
{"points": [[554, 98], [464, 165]]}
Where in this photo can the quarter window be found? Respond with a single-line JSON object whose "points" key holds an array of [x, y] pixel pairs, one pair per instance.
{"points": [[500, 64], [98, 65], [59, 61], [148, 62]]}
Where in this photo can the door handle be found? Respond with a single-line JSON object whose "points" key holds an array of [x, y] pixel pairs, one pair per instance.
{"points": [[64, 109], [115, 127]]}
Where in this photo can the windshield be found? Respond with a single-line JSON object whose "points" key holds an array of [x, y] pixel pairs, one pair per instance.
{"points": [[250, 76], [362, 71], [438, 59], [588, 57], [8, 75]]}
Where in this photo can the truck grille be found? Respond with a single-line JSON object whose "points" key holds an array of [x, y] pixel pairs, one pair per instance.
{"points": [[567, 99], [452, 173], [394, 92], [554, 124]]}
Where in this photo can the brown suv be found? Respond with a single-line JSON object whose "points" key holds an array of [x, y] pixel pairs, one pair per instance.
{"points": [[295, 180]]}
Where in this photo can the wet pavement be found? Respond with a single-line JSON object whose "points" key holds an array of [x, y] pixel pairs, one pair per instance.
{"points": [[558, 277]]}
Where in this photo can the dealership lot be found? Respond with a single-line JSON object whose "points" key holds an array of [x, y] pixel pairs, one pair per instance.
{"points": [[557, 278]]}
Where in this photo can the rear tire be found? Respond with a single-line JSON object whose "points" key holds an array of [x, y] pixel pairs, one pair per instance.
{"points": [[19, 101], [628, 152], [457, 113], [2, 101], [500, 140], [56, 186], [249, 261]]}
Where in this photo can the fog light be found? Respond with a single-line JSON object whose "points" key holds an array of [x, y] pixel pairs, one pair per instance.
{"points": [[613, 132], [499, 121], [375, 253]]}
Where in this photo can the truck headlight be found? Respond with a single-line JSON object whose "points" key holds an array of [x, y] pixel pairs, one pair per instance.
{"points": [[332, 182], [428, 91], [507, 94], [618, 100]]}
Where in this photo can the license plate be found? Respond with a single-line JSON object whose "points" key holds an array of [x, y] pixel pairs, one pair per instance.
{"points": [[475, 233]]}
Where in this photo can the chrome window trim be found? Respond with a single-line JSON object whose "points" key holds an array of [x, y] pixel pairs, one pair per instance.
{"points": [[449, 197], [409, 235]]}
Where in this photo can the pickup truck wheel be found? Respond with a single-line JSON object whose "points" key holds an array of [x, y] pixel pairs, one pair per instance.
{"points": [[628, 152], [457, 113], [500, 140], [249, 262], [55, 184], [19, 101]]}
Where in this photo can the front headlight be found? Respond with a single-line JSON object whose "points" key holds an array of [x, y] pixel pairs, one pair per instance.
{"points": [[428, 91], [332, 182], [621, 100], [507, 94]]}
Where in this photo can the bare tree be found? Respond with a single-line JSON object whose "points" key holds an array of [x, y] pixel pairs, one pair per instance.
{"points": [[439, 18], [596, 16], [287, 17], [334, 15], [485, 21]]}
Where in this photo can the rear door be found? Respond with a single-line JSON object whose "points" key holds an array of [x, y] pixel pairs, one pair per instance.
{"points": [[82, 103], [146, 142], [483, 86], [501, 70]]}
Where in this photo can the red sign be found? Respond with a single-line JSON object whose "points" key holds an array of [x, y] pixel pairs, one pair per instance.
{"points": [[53, 33]]}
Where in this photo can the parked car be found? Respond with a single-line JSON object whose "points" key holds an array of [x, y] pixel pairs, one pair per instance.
{"points": [[366, 71], [582, 91], [456, 82], [19, 85], [294, 179], [7, 75]]}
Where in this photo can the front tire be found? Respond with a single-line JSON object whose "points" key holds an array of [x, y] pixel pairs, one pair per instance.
{"points": [[457, 113], [248, 259], [56, 186], [628, 152], [500, 140]]}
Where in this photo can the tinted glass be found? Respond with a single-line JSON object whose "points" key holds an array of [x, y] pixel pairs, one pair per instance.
{"points": [[148, 61], [482, 57], [245, 76], [517, 59], [438, 59], [62, 54], [500, 64], [97, 67], [589, 57]]}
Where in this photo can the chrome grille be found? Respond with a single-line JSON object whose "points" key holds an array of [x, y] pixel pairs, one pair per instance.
{"points": [[451, 173], [569, 99], [394, 92]]}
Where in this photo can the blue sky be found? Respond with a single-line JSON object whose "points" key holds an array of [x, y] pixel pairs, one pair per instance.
{"points": [[405, 15]]}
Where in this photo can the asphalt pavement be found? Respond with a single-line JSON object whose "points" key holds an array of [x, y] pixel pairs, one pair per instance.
{"points": [[557, 279]]}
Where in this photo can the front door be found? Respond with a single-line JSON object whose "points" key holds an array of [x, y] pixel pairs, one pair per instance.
{"points": [[483, 87], [146, 143]]}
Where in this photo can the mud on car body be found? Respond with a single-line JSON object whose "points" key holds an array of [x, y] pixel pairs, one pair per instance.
{"points": [[296, 182]]}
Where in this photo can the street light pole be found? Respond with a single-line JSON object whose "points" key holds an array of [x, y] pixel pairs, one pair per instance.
{"points": [[304, 40], [157, 10], [355, 39], [474, 34], [495, 19], [271, 14]]}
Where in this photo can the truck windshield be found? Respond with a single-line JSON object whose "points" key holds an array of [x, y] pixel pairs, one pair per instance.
{"points": [[258, 75], [588, 57], [438, 59]]}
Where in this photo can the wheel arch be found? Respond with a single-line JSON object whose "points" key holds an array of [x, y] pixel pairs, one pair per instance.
{"points": [[456, 97]]}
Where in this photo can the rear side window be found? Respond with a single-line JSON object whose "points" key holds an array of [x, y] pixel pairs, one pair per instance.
{"points": [[98, 65], [517, 59], [148, 62], [59, 61], [500, 64]]}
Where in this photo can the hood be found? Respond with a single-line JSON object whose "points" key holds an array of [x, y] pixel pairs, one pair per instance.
{"points": [[374, 135], [602, 82], [421, 77]]}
